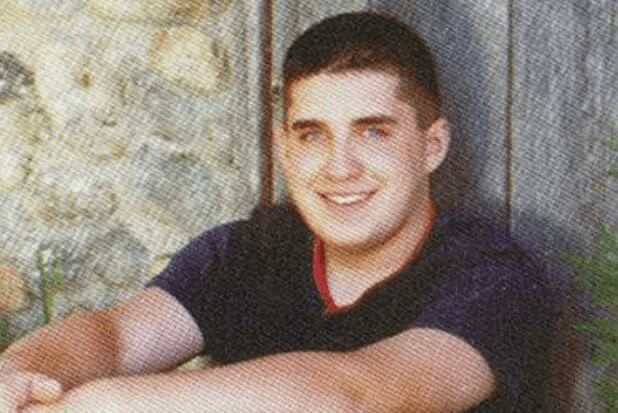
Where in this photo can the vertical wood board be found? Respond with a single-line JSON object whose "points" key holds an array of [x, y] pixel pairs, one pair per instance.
{"points": [[565, 104]]}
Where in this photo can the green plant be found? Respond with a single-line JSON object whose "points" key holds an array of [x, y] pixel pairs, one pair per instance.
{"points": [[598, 274], [6, 337], [52, 282]]}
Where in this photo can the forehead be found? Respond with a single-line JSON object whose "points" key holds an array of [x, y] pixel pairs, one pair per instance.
{"points": [[349, 95]]}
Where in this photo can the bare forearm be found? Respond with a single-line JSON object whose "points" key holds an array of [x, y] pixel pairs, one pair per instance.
{"points": [[282, 383], [434, 372], [72, 351], [425, 372]]}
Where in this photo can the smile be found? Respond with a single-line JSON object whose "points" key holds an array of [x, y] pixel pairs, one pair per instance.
{"points": [[347, 199]]}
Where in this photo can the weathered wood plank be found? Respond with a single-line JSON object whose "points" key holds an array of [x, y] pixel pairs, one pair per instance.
{"points": [[564, 105], [544, 99]]}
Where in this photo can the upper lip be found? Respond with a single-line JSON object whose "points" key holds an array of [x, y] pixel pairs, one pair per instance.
{"points": [[346, 193]]}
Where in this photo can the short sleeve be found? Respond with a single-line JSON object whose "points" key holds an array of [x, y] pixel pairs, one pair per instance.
{"points": [[500, 307], [192, 273]]}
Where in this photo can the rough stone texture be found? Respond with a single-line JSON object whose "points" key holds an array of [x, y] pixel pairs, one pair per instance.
{"points": [[15, 79], [187, 57], [55, 8], [161, 10], [124, 132]]}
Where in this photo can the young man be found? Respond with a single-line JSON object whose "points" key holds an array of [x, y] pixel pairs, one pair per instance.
{"points": [[357, 295]]}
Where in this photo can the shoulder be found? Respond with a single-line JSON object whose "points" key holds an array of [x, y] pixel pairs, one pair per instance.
{"points": [[270, 243], [270, 230], [265, 226], [473, 256], [234, 247], [492, 293], [469, 242], [278, 220]]}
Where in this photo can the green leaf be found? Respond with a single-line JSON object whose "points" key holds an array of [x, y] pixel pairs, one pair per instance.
{"points": [[40, 264], [56, 280], [598, 275], [612, 144], [607, 241], [52, 282], [607, 329], [45, 287], [606, 353], [6, 337], [608, 391], [578, 261]]}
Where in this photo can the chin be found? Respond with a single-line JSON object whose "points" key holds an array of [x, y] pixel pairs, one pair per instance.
{"points": [[356, 241]]}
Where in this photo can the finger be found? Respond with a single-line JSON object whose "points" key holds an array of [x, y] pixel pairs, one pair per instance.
{"points": [[24, 388], [45, 390], [38, 408], [9, 394]]}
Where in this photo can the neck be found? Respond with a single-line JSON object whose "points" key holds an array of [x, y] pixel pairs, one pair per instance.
{"points": [[368, 266]]}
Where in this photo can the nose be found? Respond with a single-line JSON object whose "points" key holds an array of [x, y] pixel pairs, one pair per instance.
{"points": [[342, 161]]}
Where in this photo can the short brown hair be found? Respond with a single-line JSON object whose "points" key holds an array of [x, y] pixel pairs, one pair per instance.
{"points": [[368, 41]]}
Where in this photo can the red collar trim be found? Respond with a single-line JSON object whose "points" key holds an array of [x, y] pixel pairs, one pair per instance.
{"points": [[319, 261], [319, 274]]}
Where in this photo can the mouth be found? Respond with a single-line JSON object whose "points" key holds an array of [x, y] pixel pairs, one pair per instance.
{"points": [[347, 199]]}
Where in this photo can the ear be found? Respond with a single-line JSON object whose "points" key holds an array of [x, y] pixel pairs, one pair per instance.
{"points": [[438, 137]]}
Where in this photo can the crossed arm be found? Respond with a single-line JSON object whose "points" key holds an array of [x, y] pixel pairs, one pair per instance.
{"points": [[112, 367]]}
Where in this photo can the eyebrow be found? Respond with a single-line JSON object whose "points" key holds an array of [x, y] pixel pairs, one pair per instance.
{"points": [[375, 120], [306, 124], [369, 120]]}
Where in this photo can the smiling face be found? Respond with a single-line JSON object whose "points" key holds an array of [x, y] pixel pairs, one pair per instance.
{"points": [[356, 163]]}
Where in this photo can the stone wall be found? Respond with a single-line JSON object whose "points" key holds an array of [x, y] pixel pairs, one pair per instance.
{"points": [[127, 127]]}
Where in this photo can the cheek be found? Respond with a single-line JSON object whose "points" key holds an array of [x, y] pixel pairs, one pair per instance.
{"points": [[385, 164], [394, 170], [304, 165]]}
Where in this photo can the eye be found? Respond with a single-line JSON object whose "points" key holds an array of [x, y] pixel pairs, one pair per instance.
{"points": [[374, 133], [311, 136]]}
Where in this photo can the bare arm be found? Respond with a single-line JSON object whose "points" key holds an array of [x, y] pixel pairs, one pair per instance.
{"points": [[72, 351], [419, 371], [150, 332]]}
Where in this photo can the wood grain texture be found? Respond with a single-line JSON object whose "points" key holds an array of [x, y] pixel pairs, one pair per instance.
{"points": [[564, 107]]}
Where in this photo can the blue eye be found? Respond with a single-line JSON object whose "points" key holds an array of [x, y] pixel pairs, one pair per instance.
{"points": [[311, 136], [374, 133]]}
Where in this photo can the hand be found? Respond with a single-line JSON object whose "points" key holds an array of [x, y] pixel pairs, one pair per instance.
{"points": [[18, 389], [93, 397]]}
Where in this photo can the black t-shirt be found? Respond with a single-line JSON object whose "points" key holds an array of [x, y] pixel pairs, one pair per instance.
{"points": [[249, 286]]}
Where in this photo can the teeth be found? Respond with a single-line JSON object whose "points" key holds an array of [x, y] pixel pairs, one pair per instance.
{"points": [[346, 199]]}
